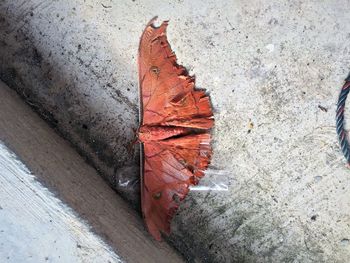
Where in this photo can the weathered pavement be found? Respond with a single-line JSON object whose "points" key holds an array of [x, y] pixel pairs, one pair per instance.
{"points": [[273, 70]]}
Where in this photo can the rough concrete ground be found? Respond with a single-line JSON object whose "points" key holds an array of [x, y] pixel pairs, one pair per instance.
{"points": [[273, 70], [84, 204]]}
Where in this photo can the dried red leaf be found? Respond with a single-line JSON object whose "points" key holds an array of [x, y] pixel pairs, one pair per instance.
{"points": [[175, 119]]}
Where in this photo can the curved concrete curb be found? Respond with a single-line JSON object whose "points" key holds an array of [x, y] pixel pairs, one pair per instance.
{"points": [[75, 78]]}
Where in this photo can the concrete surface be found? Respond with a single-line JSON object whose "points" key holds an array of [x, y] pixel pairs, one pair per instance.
{"points": [[273, 70], [62, 194], [36, 226]]}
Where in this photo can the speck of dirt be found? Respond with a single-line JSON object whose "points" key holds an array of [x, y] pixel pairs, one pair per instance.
{"points": [[318, 178], [313, 218], [106, 6], [345, 241], [37, 58], [324, 109], [250, 126]]}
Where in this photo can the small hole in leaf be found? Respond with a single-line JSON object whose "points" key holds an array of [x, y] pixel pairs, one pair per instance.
{"points": [[176, 198], [155, 70], [157, 195]]}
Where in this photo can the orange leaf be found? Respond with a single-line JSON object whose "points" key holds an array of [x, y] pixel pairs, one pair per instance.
{"points": [[175, 118]]}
